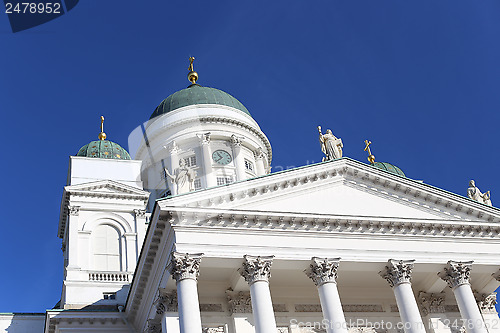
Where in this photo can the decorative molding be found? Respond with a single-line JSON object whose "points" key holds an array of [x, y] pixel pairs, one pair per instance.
{"points": [[239, 302], [205, 138], [323, 270], [74, 210], [431, 303], [397, 272], [394, 308], [166, 301], [217, 329], [456, 273], [211, 307], [451, 308], [236, 140], [279, 308], [486, 302], [153, 326], [259, 153], [307, 308], [256, 268], [185, 266], [362, 308], [140, 213]]}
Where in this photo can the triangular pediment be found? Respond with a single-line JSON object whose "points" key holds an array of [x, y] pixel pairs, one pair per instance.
{"points": [[339, 188], [105, 187]]}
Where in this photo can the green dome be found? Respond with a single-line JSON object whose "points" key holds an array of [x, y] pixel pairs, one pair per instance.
{"points": [[104, 149], [389, 168], [196, 94]]}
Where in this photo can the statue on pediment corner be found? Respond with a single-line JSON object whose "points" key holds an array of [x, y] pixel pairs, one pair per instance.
{"points": [[475, 194]]}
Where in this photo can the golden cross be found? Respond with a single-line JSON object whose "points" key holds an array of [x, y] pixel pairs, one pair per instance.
{"points": [[371, 158], [102, 123], [191, 59]]}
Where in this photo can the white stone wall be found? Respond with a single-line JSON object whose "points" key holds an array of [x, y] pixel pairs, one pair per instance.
{"points": [[22, 323]]}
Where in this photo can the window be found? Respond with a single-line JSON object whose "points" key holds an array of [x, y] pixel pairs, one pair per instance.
{"points": [[109, 295], [106, 248], [197, 184], [224, 180], [248, 165], [190, 161]]}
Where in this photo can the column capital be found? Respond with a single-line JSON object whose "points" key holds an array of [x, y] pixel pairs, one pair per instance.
{"points": [[259, 153], [153, 326], [456, 273], [140, 213], [166, 301], [431, 303], [397, 272], [239, 302], [173, 149], [204, 138], [256, 268], [185, 266], [236, 140], [486, 302], [74, 210], [323, 270]]}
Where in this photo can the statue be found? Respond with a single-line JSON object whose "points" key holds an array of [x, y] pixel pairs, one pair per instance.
{"points": [[183, 178], [331, 146], [475, 194]]}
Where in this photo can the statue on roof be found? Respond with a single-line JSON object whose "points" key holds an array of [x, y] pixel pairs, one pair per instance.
{"points": [[475, 194], [183, 177], [331, 146]]}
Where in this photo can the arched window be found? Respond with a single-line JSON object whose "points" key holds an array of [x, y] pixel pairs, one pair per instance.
{"points": [[106, 248]]}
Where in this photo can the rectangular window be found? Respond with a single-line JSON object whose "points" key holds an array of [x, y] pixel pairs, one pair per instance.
{"points": [[224, 180], [190, 161], [248, 165], [197, 184], [109, 295]]}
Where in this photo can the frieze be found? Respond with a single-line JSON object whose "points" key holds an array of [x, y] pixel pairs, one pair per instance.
{"points": [[362, 308], [217, 329], [307, 308], [211, 307], [431, 303], [239, 302], [279, 308]]}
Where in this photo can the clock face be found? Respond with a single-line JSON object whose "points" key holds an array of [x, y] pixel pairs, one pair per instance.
{"points": [[221, 157]]}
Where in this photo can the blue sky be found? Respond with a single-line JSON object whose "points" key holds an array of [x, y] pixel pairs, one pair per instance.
{"points": [[420, 79]]}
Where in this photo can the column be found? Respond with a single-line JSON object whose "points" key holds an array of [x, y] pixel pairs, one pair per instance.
{"points": [[166, 307], [259, 161], [257, 271], [239, 160], [323, 272], [432, 307], [398, 274], [486, 304], [185, 269], [210, 178], [457, 275], [72, 239], [131, 254]]}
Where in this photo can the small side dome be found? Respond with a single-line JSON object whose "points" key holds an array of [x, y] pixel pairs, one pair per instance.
{"points": [[196, 94], [389, 168], [104, 149]]}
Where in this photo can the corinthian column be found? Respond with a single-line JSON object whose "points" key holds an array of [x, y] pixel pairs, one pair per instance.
{"points": [[257, 271], [185, 269], [239, 161], [323, 272], [398, 274], [210, 178], [457, 275]]}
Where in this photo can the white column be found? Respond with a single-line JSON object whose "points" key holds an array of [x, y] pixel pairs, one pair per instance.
{"points": [[185, 269], [324, 274], [131, 256], [259, 161], [257, 271], [210, 178], [239, 160], [140, 229], [72, 240], [432, 307], [166, 306], [398, 274], [457, 275]]}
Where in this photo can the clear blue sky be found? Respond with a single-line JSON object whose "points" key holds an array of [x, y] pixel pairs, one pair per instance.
{"points": [[420, 79]]}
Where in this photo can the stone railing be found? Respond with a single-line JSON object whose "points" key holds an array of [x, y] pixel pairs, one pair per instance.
{"points": [[109, 276]]}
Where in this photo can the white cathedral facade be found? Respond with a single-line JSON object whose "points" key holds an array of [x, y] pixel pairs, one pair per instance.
{"points": [[196, 235]]}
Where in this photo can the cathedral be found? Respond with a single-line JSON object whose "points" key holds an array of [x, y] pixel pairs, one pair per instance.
{"points": [[195, 234]]}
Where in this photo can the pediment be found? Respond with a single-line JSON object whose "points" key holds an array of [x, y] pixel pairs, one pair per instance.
{"points": [[106, 188], [339, 188]]}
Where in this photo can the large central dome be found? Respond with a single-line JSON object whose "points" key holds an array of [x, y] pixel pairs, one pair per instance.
{"points": [[196, 94]]}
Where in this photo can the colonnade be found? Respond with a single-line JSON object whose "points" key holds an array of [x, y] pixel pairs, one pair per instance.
{"points": [[256, 270]]}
